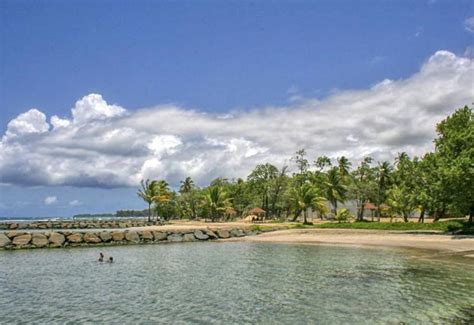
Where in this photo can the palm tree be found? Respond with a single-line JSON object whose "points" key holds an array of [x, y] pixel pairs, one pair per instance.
{"points": [[383, 176], [335, 189], [306, 196], [147, 193], [187, 185], [216, 200], [344, 166]]}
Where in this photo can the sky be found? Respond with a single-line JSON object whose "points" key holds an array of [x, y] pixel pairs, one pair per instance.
{"points": [[97, 95]]}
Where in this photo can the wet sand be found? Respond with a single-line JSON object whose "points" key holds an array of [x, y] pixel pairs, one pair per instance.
{"points": [[461, 245]]}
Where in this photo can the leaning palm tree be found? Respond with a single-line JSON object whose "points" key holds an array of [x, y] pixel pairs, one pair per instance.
{"points": [[148, 193], [216, 201], [335, 188], [306, 196]]}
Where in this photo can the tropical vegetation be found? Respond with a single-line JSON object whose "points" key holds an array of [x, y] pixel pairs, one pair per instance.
{"points": [[439, 184]]}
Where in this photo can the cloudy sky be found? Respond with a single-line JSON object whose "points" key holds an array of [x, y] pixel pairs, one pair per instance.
{"points": [[98, 95]]}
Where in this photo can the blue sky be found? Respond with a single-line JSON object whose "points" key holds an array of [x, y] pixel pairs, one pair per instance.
{"points": [[209, 57]]}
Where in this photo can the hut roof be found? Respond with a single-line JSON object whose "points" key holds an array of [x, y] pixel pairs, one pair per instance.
{"points": [[257, 211], [383, 206], [370, 206]]}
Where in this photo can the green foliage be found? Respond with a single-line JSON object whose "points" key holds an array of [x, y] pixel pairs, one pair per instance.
{"points": [[439, 184], [343, 215]]}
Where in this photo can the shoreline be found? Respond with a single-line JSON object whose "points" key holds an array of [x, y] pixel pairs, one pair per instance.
{"points": [[435, 242]]}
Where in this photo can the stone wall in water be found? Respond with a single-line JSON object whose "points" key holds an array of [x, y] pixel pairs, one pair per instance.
{"points": [[54, 239], [74, 224]]}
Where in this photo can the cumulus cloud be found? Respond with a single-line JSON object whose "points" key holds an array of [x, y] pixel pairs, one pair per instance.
{"points": [[469, 24], [105, 145], [49, 200]]}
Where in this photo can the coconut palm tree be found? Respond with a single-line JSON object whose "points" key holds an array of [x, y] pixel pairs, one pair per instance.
{"points": [[216, 201], [384, 170], [187, 185], [335, 189], [306, 196], [147, 193], [344, 166]]}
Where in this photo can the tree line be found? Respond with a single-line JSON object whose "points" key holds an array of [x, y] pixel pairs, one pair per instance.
{"points": [[438, 184]]}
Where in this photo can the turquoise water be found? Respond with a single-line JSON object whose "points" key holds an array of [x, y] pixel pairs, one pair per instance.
{"points": [[234, 283]]}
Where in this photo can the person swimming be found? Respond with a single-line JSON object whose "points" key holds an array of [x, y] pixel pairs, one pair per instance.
{"points": [[101, 257], [111, 259]]}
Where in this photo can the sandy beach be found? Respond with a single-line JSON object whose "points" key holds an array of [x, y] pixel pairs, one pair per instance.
{"points": [[461, 245]]}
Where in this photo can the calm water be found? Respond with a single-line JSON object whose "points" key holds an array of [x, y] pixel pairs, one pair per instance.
{"points": [[233, 283]]}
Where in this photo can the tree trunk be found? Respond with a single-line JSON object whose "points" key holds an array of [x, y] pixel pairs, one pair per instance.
{"points": [[405, 217], [436, 215], [471, 214], [378, 213], [304, 216], [421, 219], [149, 212], [297, 214]]}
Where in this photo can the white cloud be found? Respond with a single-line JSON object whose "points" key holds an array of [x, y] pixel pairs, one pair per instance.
{"points": [[104, 145], [31, 122], [469, 24], [49, 200], [75, 203]]}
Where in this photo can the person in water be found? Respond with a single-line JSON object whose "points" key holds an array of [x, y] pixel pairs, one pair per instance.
{"points": [[101, 257], [111, 259]]}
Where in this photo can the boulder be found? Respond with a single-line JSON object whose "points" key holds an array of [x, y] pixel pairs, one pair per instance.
{"points": [[159, 235], [13, 226], [39, 240], [4, 240], [189, 237], [175, 237], [237, 233], [211, 234], [56, 239], [14, 233], [75, 238], [90, 237], [118, 236], [22, 240], [132, 236], [222, 233], [147, 235], [200, 235], [105, 236]]}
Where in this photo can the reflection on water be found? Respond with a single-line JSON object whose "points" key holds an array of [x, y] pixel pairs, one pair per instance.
{"points": [[234, 283]]}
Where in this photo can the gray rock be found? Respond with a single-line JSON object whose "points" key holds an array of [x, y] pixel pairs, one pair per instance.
{"points": [[105, 236], [175, 237], [200, 235], [39, 240], [211, 234], [159, 235], [56, 239], [189, 237], [237, 233], [222, 233], [132, 236], [4, 241], [22, 240]]}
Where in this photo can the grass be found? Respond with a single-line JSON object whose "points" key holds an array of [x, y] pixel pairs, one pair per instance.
{"points": [[458, 226]]}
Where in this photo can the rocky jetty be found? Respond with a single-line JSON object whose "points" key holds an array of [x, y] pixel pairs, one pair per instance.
{"points": [[16, 239], [74, 224]]}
